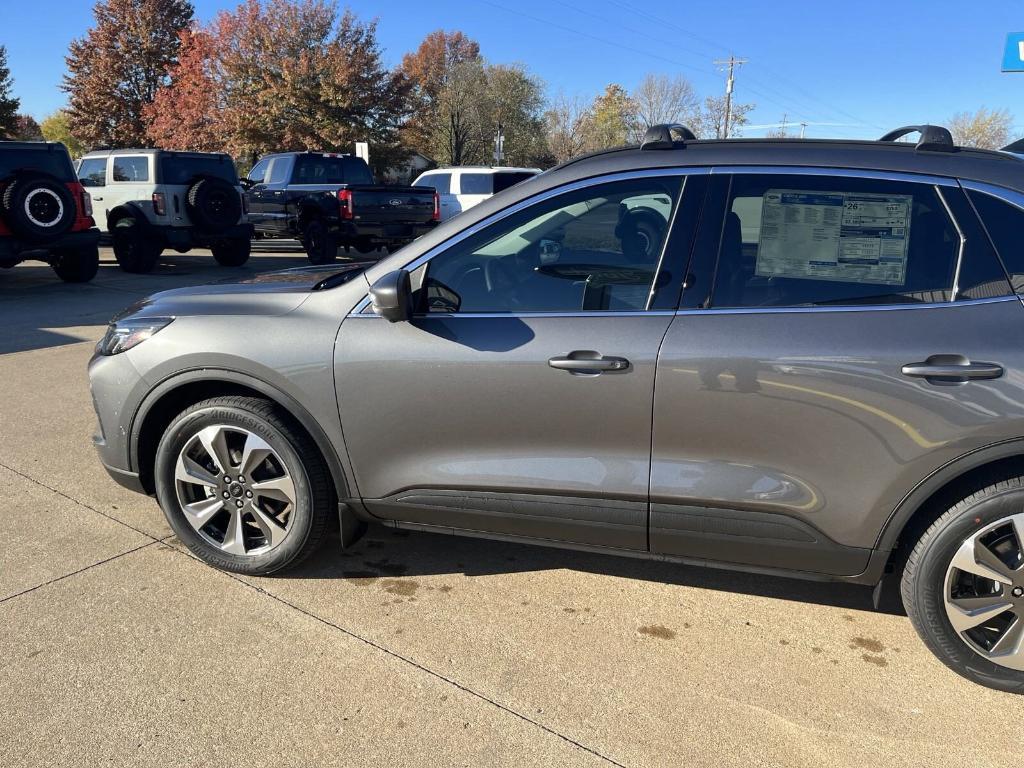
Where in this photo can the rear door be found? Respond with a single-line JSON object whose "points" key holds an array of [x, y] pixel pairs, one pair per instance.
{"points": [[805, 386], [474, 188], [518, 399], [130, 179]]}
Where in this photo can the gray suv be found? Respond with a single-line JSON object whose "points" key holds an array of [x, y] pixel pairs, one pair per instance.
{"points": [[795, 357]]}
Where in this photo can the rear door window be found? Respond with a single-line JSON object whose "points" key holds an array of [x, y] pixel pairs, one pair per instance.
{"points": [[327, 169], [475, 184], [131, 169], [93, 172], [505, 179], [441, 182], [183, 169], [790, 241]]}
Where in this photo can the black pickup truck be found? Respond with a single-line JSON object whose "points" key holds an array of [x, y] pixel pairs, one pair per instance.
{"points": [[329, 200]]}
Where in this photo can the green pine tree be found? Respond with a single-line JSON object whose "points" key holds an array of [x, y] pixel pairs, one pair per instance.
{"points": [[8, 103]]}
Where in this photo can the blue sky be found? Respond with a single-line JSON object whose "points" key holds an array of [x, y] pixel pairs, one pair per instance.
{"points": [[869, 65]]}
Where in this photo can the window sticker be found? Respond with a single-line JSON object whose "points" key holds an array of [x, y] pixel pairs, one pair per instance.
{"points": [[842, 236]]}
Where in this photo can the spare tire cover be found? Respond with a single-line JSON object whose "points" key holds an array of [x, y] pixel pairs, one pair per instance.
{"points": [[213, 204], [38, 206]]}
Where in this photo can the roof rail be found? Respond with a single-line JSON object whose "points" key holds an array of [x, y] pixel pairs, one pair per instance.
{"points": [[934, 138], [660, 136]]}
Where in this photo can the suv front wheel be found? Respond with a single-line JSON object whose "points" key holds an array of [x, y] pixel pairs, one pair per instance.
{"points": [[242, 485], [136, 249], [963, 586]]}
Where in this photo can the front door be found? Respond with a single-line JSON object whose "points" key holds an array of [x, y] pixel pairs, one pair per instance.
{"points": [[518, 400], [856, 339]]}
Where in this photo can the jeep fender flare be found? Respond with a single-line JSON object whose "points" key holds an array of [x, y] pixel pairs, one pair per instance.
{"points": [[127, 209]]}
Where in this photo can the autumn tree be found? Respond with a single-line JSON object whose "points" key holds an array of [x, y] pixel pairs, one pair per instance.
{"points": [[429, 69], [117, 68], [514, 101], [456, 133], [710, 122], [8, 102], [57, 127], [610, 120], [185, 113], [26, 129], [985, 129], [564, 126], [662, 99]]}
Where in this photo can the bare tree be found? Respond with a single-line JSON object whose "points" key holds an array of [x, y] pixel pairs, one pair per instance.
{"points": [[711, 121], [458, 134], [565, 122], [986, 129], [663, 99]]}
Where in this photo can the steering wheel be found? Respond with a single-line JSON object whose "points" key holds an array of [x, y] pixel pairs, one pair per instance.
{"points": [[501, 281]]}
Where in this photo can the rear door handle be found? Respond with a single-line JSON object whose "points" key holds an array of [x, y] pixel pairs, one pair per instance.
{"points": [[97, 199], [952, 368], [588, 362]]}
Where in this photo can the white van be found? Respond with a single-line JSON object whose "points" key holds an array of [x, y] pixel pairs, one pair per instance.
{"points": [[461, 188]]}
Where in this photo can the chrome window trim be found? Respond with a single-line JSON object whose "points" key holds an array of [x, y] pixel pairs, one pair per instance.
{"points": [[848, 308], [593, 314], [811, 170], [963, 243], [494, 218]]}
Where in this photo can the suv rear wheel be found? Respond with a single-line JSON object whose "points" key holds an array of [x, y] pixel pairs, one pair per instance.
{"points": [[76, 265], [963, 586], [136, 249], [321, 246], [232, 253], [38, 206], [242, 485]]}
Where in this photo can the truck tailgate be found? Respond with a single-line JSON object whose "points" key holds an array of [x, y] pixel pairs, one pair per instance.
{"points": [[399, 205]]}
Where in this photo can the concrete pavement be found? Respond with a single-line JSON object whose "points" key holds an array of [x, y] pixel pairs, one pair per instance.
{"points": [[117, 647]]}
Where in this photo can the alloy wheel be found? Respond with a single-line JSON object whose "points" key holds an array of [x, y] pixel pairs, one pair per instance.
{"points": [[984, 592], [235, 490]]}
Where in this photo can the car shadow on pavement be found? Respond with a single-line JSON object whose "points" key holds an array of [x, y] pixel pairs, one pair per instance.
{"points": [[389, 553]]}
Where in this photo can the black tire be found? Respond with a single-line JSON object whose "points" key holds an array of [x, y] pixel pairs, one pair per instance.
{"points": [[924, 582], [314, 499], [136, 248], [232, 253], [38, 206], [364, 246], [320, 244], [213, 204], [76, 265]]}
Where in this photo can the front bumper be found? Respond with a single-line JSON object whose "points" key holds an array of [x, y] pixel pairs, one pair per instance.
{"points": [[15, 248], [117, 389]]}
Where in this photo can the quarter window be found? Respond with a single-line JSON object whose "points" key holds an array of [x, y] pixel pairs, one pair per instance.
{"points": [[596, 250], [131, 169], [791, 240], [1004, 223], [93, 172]]}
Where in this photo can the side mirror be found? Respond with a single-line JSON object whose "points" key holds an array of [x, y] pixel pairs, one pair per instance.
{"points": [[392, 296], [247, 184]]}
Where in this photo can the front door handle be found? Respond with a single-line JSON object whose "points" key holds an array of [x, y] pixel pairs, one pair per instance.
{"points": [[952, 368], [97, 199], [588, 362]]}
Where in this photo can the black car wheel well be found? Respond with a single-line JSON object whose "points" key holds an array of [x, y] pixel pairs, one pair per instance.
{"points": [[162, 412], [955, 488]]}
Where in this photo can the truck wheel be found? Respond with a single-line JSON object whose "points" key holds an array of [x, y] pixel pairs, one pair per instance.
{"points": [[365, 246], [321, 246], [136, 250], [963, 586], [242, 485], [38, 206], [77, 265], [232, 253]]}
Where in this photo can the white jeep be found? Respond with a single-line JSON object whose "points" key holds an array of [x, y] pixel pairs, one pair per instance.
{"points": [[146, 200]]}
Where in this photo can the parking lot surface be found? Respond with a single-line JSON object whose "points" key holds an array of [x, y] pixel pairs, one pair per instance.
{"points": [[119, 648]]}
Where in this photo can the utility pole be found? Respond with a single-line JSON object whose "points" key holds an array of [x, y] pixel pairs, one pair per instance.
{"points": [[732, 62]]}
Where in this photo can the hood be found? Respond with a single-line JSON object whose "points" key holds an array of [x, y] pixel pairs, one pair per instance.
{"points": [[268, 294]]}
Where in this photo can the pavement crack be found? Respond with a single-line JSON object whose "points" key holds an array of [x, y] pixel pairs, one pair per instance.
{"points": [[79, 502], [80, 570], [413, 663]]}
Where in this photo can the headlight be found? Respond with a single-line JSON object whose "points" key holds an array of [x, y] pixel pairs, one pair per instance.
{"points": [[122, 335]]}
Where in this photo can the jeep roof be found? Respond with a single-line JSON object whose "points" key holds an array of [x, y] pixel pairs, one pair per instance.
{"points": [[48, 156]]}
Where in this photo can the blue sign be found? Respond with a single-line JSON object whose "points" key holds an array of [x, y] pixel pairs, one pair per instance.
{"points": [[1013, 56]]}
